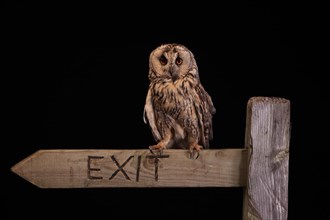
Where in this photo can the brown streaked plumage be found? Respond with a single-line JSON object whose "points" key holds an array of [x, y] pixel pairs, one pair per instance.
{"points": [[178, 109]]}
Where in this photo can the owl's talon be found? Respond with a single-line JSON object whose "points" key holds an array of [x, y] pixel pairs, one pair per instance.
{"points": [[193, 154], [156, 151]]}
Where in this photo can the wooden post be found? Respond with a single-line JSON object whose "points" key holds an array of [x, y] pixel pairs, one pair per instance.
{"points": [[267, 140]]}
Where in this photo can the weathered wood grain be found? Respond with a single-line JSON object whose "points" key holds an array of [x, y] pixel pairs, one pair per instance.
{"points": [[262, 167], [267, 139], [133, 168]]}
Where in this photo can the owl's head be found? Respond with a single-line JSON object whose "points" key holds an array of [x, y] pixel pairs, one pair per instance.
{"points": [[171, 61]]}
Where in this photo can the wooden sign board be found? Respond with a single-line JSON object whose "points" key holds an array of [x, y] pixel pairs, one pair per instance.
{"points": [[133, 168]]}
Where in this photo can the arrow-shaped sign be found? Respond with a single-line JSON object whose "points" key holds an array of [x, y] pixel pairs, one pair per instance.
{"points": [[133, 168]]}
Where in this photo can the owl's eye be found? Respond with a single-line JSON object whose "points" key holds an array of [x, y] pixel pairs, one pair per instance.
{"points": [[178, 61], [163, 60]]}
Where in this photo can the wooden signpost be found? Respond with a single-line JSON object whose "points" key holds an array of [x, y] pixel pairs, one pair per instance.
{"points": [[261, 167]]}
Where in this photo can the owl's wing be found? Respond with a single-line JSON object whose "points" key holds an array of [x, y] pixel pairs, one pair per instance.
{"points": [[149, 116], [204, 109]]}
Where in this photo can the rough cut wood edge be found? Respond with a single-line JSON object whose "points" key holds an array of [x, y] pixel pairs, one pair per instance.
{"points": [[133, 168], [267, 140]]}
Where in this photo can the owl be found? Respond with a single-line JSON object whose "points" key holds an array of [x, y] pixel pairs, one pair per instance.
{"points": [[178, 109]]}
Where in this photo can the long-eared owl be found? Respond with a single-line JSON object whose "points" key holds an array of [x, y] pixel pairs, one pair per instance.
{"points": [[178, 109]]}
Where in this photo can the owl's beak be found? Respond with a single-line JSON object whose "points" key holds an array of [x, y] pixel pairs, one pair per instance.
{"points": [[174, 77], [173, 73]]}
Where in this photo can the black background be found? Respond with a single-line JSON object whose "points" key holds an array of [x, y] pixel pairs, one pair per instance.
{"points": [[75, 77]]}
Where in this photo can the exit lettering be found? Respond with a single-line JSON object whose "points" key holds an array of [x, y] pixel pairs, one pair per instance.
{"points": [[92, 171]]}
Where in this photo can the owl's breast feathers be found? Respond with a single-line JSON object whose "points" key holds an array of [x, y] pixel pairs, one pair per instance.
{"points": [[183, 105]]}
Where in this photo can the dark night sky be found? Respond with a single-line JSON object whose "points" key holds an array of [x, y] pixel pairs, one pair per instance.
{"points": [[77, 79]]}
